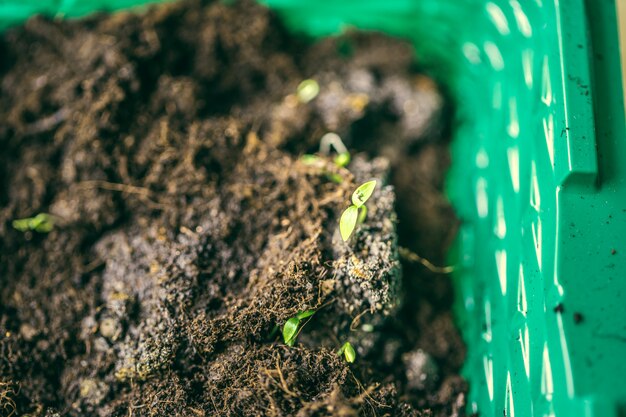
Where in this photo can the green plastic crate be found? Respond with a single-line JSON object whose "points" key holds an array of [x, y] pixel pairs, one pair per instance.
{"points": [[538, 179]]}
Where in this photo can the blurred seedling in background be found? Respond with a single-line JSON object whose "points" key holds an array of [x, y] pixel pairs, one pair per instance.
{"points": [[41, 223], [294, 325], [328, 141], [307, 90], [357, 212], [348, 352], [333, 140]]}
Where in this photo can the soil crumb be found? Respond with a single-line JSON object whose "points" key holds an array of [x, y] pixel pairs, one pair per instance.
{"points": [[180, 226]]}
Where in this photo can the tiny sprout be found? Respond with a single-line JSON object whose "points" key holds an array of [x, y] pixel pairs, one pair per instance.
{"points": [[308, 159], [336, 178], [41, 223], [292, 327], [357, 212], [333, 140], [307, 90], [328, 141], [342, 159], [348, 352], [368, 328], [316, 161]]}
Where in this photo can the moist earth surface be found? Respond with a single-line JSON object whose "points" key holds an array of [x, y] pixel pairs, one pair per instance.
{"points": [[167, 149]]}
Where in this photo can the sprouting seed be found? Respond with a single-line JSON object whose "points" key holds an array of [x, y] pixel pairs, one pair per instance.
{"points": [[41, 223], [290, 329], [333, 140], [328, 141], [348, 352], [357, 212], [292, 326], [316, 161], [307, 90], [342, 159]]}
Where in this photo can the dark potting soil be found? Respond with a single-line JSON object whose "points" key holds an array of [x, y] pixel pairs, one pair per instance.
{"points": [[167, 147]]}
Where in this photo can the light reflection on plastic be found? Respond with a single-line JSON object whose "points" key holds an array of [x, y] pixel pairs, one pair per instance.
{"points": [[522, 303], [522, 20], [488, 366], [535, 198], [513, 127], [513, 158], [537, 237], [501, 267], [498, 18], [482, 159], [500, 220], [472, 53], [567, 365], [547, 385], [548, 130], [510, 408], [494, 55], [481, 198], [527, 64], [525, 345], [546, 84], [496, 102]]}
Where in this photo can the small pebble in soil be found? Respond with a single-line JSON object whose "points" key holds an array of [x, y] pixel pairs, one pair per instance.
{"points": [[422, 372], [110, 328], [93, 391], [28, 332]]}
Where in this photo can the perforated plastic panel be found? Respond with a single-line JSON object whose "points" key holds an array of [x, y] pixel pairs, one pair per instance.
{"points": [[543, 288], [538, 179]]}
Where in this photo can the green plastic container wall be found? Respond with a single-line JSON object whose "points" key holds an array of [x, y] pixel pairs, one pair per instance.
{"points": [[538, 180], [13, 12]]}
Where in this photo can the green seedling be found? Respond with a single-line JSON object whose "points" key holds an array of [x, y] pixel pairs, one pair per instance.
{"points": [[336, 178], [348, 352], [307, 90], [328, 141], [357, 212], [334, 140], [292, 327], [367, 328], [309, 159], [342, 159], [41, 223], [316, 161]]}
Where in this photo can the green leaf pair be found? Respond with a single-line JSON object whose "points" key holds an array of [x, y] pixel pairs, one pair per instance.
{"points": [[357, 212], [292, 327], [41, 223], [348, 352]]}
